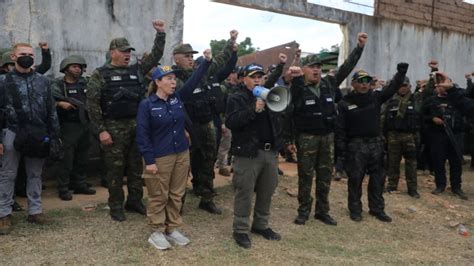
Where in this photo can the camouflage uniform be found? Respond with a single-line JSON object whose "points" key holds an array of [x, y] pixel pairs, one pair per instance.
{"points": [[402, 122], [313, 117], [123, 153], [199, 108]]}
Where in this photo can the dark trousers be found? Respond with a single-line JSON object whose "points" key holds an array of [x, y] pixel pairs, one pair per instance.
{"points": [[442, 150], [424, 152], [71, 170], [365, 156], [203, 158]]}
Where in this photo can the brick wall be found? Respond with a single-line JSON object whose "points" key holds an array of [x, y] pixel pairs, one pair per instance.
{"points": [[452, 15]]}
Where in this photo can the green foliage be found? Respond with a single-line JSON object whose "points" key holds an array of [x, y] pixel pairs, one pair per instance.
{"points": [[244, 47]]}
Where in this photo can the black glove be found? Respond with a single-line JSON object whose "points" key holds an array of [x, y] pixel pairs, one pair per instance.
{"points": [[402, 68]]}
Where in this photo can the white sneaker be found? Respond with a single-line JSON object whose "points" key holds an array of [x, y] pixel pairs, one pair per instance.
{"points": [[177, 238], [158, 240]]}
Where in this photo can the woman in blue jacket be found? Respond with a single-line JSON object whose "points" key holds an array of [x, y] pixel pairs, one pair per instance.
{"points": [[162, 141]]}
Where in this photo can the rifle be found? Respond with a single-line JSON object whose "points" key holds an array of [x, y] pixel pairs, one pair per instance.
{"points": [[452, 139], [122, 92], [79, 105]]}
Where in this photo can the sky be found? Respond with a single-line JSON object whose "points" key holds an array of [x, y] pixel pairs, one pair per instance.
{"points": [[205, 21]]}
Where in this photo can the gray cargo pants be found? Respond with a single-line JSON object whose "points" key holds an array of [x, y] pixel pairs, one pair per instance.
{"points": [[34, 168], [259, 175]]}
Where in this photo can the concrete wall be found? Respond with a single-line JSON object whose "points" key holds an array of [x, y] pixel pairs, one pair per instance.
{"points": [[390, 41], [86, 27]]}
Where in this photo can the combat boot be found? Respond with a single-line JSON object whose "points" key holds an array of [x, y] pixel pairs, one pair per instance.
{"points": [[325, 218], [413, 193], [5, 225], [242, 240], [117, 215], [300, 219], [135, 206], [39, 219], [382, 216], [459, 193], [85, 191], [65, 195], [356, 217], [437, 190], [210, 207]]}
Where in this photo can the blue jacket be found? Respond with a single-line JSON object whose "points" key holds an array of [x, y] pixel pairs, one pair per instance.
{"points": [[160, 123]]}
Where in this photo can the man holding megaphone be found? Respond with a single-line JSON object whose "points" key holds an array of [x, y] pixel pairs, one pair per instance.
{"points": [[256, 139], [313, 117]]}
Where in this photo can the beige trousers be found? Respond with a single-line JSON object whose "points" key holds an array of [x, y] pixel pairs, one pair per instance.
{"points": [[165, 191]]}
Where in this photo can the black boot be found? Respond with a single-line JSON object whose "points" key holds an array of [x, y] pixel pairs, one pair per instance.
{"points": [[242, 240], [65, 195], [117, 215], [413, 193], [135, 206], [210, 207], [84, 190], [438, 190], [459, 193], [300, 219], [325, 218], [382, 216]]}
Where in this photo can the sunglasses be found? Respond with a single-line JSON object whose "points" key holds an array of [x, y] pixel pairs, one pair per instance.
{"points": [[364, 80]]}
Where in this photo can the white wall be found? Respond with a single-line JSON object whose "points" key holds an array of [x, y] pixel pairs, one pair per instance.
{"points": [[86, 27]]}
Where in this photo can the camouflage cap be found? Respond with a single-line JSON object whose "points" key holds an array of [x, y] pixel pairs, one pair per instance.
{"points": [[361, 74], [184, 48], [310, 60], [120, 44], [6, 59]]}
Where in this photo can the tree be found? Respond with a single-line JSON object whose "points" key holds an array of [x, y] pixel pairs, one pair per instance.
{"points": [[244, 47]]}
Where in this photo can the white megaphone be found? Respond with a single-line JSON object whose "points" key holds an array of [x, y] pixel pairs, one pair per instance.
{"points": [[277, 98]]}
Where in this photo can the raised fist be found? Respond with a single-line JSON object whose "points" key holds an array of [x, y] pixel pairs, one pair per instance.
{"points": [[207, 54], [43, 45], [233, 35], [282, 58], [402, 68], [362, 39], [159, 25]]}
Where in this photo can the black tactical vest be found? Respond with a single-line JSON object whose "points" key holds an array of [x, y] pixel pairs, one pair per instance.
{"points": [[451, 115], [411, 121], [315, 115], [76, 91], [122, 93], [362, 121], [207, 101]]}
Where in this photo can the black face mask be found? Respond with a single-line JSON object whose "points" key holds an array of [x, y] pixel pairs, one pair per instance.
{"points": [[25, 61]]}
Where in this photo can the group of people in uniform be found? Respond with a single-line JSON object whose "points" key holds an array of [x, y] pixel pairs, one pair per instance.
{"points": [[159, 122]]}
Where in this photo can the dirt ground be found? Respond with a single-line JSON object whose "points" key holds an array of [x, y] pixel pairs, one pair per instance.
{"points": [[423, 231]]}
